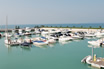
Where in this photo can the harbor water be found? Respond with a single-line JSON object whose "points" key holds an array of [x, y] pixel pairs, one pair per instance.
{"points": [[65, 55]]}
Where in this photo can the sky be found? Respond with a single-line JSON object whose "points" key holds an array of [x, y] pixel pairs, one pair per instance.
{"points": [[51, 11]]}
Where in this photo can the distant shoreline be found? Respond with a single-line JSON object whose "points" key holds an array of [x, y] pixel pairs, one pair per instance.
{"points": [[50, 28], [80, 25]]}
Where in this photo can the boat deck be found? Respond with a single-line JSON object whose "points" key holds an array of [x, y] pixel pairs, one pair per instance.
{"points": [[99, 61]]}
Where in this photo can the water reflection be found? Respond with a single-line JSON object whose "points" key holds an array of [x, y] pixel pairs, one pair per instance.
{"points": [[90, 37], [37, 34], [93, 46], [24, 48], [10, 48], [51, 45], [44, 46], [65, 42], [77, 40]]}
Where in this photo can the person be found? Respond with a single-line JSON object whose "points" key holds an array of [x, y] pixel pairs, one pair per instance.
{"points": [[9, 41]]}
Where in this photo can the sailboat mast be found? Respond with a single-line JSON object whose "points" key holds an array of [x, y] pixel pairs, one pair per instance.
{"points": [[92, 52], [6, 23], [6, 27]]}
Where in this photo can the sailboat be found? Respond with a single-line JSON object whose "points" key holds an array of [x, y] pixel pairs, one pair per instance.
{"points": [[8, 40]]}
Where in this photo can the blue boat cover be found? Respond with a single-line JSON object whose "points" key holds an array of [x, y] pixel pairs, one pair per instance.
{"points": [[43, 37], [38, 41]]}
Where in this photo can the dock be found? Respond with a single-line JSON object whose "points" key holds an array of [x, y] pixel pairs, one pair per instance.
{"points": [[98, 63]]}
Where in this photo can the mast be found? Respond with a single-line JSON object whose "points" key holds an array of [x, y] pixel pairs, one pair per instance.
{"points": [[92, 52], [6, 27]]}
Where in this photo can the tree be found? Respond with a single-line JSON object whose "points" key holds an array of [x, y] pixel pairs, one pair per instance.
{"points": [[81, 26], [73, 26], [42, 26], [90, 27], [37, 26], [67, 26], [46, 26], [15, 27], [100, 27], [18, 27]]}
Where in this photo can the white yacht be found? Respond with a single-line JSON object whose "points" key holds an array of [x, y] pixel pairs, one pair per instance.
{"points": [[27, 30], [65, 38], [99, 33], [99, 42]]}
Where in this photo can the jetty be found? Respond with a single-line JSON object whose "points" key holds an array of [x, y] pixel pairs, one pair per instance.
{"points": [[94, 61]]}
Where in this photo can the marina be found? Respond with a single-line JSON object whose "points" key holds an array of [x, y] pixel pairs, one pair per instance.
{"points": [[51, 34], [54, 38]]}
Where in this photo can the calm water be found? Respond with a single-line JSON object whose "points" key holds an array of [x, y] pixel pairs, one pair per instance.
{"points": [[95, 25], [58, 56]]}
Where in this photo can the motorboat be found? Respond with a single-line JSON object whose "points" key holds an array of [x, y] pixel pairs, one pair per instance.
{"points": [[27, 31], [20, 33], [90, 35], [75, 36], [64, 38], [7, 34], [51, 41], [28, 40], [25, 44], [99, 42], [20, 40], [40, 43], [11, 42], [99, 33]]}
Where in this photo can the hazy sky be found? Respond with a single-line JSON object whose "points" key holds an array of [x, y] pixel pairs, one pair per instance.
{"points": [[51, 11]]}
